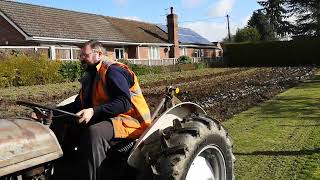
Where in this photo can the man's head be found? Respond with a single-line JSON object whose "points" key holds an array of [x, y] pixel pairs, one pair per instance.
{"points": [[91, 53]]}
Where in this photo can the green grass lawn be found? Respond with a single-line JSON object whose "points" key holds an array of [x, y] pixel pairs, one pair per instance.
{"points": [[280, 139]]}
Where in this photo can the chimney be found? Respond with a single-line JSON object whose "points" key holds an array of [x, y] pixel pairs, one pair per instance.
{"points": [[173, 34]]}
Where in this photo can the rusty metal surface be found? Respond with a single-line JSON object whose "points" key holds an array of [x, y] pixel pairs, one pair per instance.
{"points": [[25, 143]]}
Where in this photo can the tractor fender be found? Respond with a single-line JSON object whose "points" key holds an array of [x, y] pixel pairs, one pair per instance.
{"points": [[67, 101], [25, 144], [179, 111]]}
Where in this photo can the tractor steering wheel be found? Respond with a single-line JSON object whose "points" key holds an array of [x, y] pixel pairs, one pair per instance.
{"points": [[39, 109]]}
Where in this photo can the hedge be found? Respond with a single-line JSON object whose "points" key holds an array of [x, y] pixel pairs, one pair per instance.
{"points": [[277, 53], [142, 69], [26, 70], [23, 70], [184, 60], [71, 70]]}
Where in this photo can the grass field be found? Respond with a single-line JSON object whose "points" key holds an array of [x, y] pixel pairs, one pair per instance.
{"points": [[280, 139], [57, 90]]}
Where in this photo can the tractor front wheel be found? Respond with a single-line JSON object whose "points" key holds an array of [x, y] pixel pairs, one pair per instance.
{"points": [[196, 148]]}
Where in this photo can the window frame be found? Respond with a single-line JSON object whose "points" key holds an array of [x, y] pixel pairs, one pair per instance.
{"points": [[123, 53], [183, 51], [151, 52]]}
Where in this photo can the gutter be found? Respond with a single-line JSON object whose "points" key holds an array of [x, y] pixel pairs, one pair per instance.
{"points": [[66, 40], [199, 46]]}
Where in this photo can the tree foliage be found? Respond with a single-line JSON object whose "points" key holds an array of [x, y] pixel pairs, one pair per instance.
{"points": [[261, 22], [277, 11], [308, 17], [306, 13], [247, 34]]}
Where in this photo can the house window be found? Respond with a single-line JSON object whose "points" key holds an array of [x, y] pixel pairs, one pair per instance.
{"points": [[197, 53], [183, 52], [76, 53], [63, 54], [119, 53], [154, 52]]}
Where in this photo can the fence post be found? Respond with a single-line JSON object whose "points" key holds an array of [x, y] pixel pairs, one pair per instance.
{"points": [[149, 62]]}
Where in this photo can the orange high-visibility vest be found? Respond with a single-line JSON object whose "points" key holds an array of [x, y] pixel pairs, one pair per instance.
{"points": [[135, 121]]}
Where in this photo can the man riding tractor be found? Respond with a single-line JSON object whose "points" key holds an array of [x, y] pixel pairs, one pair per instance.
{"points": [[111, 106]]}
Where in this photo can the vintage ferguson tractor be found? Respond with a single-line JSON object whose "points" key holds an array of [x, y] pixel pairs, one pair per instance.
{"points": [[182, 143]]}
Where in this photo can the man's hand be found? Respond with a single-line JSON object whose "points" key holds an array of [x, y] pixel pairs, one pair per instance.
{"points": [[86, 115]]}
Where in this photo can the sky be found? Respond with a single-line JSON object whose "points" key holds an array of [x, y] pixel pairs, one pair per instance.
{"points": [[206, 17]]}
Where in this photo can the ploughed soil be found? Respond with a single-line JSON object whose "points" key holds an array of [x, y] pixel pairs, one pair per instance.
{"points": [[222, 94], [226, 94]]}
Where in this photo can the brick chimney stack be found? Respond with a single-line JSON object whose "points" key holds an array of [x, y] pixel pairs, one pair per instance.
{"points": [[173, 34]]}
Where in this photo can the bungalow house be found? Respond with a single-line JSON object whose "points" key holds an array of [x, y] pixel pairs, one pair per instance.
{"points": [[60, 32], [219, 50]]}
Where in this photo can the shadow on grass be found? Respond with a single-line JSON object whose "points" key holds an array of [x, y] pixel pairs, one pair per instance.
{"points": [[280, 153], [294, 126], [298, 102], [307, 118], [288, 106], [308, 106], [310, 83]]}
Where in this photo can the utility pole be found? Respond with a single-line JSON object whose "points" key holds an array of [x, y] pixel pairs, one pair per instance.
{"points": [[229, 34]]}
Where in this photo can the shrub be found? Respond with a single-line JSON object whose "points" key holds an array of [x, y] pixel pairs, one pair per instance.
{"points": [[124, 61], [142, 69], [184, 60], [71, 70], [23, 70], [201, 65]]}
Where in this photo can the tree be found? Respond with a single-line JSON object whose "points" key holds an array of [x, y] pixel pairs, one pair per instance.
{"points": [[277, 11], [247, 34], [308, 17], [226, 39], [261, 22]]}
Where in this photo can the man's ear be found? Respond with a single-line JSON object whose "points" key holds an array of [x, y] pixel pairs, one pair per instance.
{"points": [[99, 55]]}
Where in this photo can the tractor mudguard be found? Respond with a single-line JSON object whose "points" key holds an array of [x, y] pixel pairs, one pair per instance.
{"points": [[68, 100], [179, 111], [24, 144]]}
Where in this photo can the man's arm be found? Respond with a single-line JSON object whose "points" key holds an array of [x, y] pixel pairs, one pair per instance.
{"points": [[118, 84]]}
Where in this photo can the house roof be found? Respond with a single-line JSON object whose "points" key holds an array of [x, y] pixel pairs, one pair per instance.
{"points": [[188, 36], [57, 23], [39, 22], [139, 31]]}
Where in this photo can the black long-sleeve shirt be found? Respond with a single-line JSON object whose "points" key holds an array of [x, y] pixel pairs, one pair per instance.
{"points": [[118, 83]]}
